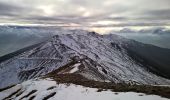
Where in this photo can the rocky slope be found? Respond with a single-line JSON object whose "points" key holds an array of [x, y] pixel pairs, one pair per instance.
{"points": [[94, 56]]}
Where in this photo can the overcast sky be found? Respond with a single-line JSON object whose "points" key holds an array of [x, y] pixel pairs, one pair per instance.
{"points": [[86, 13]]}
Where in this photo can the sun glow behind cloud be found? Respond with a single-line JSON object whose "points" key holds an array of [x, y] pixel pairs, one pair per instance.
{"points": [[48, 10]]}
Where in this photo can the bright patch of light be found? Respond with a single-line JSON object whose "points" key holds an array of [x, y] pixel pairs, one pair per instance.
{"points": [[81, 9], [86, 14], [103, 30], [48, 10]]}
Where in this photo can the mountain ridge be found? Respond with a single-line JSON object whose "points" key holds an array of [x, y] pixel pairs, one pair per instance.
{"points": [[106, 54]]}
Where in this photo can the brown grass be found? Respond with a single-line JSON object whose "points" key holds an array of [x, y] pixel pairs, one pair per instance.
{"points": [[8, 87], [49, 96], [12, 94], [52, 87], [32, 97], [31, 92]]}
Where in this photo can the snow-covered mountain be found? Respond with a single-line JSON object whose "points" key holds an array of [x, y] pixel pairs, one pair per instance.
{"points": [[13, 38], [93, 56]]}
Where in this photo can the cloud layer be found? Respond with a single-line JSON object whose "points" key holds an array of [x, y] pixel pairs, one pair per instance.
{"points": [[86, 13]]}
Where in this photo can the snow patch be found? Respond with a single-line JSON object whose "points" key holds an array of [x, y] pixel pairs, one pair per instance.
{"points": [[75, 68], [72, 92]]}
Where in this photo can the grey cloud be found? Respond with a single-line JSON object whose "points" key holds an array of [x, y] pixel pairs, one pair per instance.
{"points": [[159, 14], [65, 12], [16, 11], [8, 10], [86, 21], [132, 24]]}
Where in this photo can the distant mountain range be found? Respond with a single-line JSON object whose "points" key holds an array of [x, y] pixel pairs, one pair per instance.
{"points": [[14, 37], [158, 31]]}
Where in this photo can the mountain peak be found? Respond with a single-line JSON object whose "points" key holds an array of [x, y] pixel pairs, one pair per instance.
{"points": [[98, 57]]}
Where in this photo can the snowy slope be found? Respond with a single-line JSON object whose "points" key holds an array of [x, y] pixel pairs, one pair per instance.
{"points": [[103, 56], [39, 89]]}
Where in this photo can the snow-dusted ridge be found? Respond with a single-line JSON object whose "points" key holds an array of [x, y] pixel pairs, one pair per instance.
{"points": [[104, 59], [47, 89]]}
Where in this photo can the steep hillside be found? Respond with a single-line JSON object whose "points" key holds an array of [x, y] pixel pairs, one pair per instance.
{"points": [[94, 56]]}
